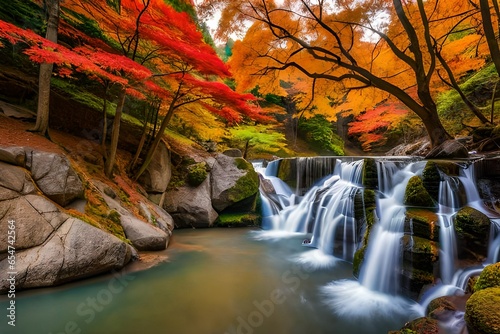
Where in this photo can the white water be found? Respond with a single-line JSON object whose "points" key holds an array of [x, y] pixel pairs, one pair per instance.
{"points": [[328, 209], [448, 204], [382, 261]]}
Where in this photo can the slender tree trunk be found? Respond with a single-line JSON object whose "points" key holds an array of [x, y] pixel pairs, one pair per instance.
{"points": [[42, 117], [156, 141], [105, 121], [492, 115], [153, 108], [489, 32], [115, 135]]}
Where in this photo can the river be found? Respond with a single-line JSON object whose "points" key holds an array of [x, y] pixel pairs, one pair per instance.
{"points": [[214, 281]]}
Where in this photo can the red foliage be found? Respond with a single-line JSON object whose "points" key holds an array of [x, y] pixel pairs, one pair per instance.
{"points": [[371, 125]]}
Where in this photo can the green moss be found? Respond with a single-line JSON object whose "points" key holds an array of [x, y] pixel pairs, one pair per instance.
{"points": [[482, 312], [422, 223], [416, 194], [470, 221], [238, 220], [431, 179], [366, 206], [197, 173], [370, 175], [287, 173], [246, 186], [422, 325], [489, 278], [114, 216]]}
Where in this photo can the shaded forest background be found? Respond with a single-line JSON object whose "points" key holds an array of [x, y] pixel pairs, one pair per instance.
{"points": [[194, 92]]}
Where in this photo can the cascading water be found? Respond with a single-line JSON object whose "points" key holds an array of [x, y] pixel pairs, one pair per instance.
{"points": [[326, 211], [448, 204], [381, 268]]}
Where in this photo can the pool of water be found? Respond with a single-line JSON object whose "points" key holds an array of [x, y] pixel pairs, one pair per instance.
{"points": [[215, 281]]}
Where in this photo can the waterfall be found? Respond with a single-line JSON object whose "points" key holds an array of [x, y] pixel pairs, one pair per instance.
{"points": [[381, 266], [448, 204], [335, 211]]}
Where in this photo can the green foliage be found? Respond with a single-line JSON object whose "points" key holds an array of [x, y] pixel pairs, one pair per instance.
{"points": [[197, 173], [460, 32], [318, 131], [261, 140], [478, 88], [24, 14], [80, 95]]}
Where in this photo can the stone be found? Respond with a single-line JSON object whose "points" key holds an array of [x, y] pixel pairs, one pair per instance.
{"points": [[35, 218], [233, 152], [450, 149], [16, 179], [482, 312], [76, 251], [422, 325], [191, 207], [144, 237], [489, 278], [14, 155], [232, 180], [416, 194], [156, 177], [473, 231], [55, 177]]}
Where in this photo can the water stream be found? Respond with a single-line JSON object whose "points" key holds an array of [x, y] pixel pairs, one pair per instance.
{"points": [[215, 281]]}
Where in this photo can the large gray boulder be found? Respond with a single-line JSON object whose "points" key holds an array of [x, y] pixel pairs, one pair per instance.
{"points": [[54, 176], [191, 206], [75, 251], [14, 155], [156, 177], [233, 180], [143, 235]]}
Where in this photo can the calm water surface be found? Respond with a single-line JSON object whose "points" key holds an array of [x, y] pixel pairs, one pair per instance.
{"points": [[215, 281]]}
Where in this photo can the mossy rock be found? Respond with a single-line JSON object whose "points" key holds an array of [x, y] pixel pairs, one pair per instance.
{"points": [[441, 304], [431, 178], [422, 325], [246, 186], [420, 253], [369, 174], [473, 230], [416, 194], [197, 173], [482, 312], [364, 211], [413, 280], [238, 220], [287, 171], [489, 278], [422, 223]]}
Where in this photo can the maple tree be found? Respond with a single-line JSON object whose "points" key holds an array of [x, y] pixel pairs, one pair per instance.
{"points": [[340, 49]]}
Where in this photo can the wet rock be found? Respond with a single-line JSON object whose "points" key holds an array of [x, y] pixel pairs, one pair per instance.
{"points": [[473, 231], [422, 223], [416, 194], [232, 180], [422, 325], [489, 278], [369, 174], [482, 312]]}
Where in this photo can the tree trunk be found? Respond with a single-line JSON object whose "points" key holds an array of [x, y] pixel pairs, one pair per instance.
{"points": [[105, 121], [156, 141], [489, 32], [435, 130], [42, 117], [115, 135]]}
